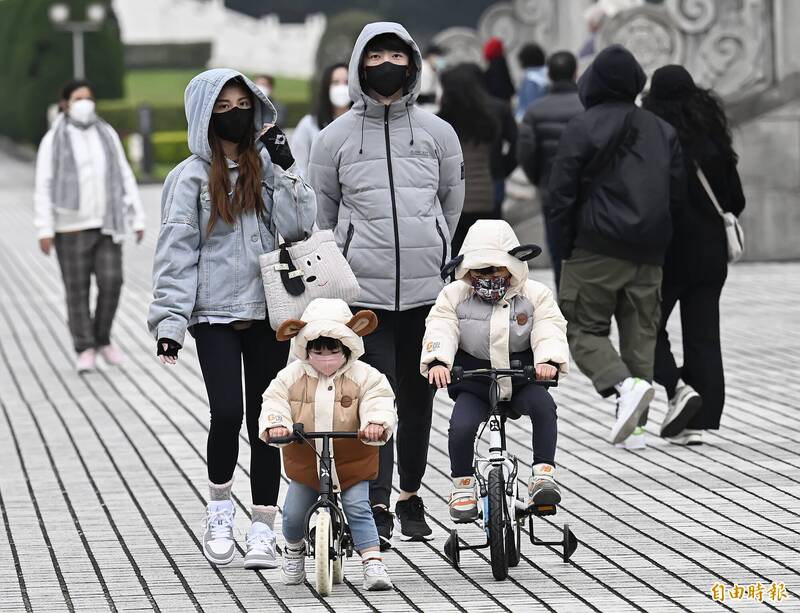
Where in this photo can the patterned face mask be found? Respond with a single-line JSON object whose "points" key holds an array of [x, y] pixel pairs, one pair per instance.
{"points": [[491, 289]]}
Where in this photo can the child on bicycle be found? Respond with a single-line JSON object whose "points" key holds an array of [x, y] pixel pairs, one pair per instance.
{"points": [[328, 389], [493, 314]]}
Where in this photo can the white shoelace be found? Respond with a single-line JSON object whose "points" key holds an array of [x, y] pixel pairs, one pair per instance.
{"points": [[261, 539], [220, 523], [375, 568]]}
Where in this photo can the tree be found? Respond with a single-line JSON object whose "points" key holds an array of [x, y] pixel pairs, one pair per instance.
{"points": [[38, 61], [340, 35]]}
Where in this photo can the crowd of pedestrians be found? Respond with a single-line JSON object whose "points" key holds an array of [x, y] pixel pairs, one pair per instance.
{"points": [[631, 198]]}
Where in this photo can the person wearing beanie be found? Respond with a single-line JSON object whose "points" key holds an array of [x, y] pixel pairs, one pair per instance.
{"points": [[696, 263], [389, 178], [497, 76], [616, 187]]}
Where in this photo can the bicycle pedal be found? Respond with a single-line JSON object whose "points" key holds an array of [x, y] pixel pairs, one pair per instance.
{"points": [[544, 509]]}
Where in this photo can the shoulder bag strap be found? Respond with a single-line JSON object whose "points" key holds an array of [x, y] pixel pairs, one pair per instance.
{"points": [[707, 187]]}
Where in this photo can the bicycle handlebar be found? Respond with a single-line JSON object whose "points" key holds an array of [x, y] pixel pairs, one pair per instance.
{"points": [[457, 374], [299, 433]]}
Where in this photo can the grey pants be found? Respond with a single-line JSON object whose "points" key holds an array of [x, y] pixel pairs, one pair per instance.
{"points": [[81, 254], [594, 288]]}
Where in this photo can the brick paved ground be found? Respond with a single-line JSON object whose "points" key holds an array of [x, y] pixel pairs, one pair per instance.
{"points": [[103, 478]]}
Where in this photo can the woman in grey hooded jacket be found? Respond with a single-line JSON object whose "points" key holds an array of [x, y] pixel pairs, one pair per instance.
{"points": [[221, 208], [389, 179]]}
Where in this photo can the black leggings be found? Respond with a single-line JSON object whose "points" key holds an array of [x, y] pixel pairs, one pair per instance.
{"points": [[220, 349], [470, 411]]}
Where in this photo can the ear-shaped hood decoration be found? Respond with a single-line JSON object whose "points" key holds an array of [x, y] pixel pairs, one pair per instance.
{"points": [[449, 268], [526, 252], [363, 323], [289, 329]]}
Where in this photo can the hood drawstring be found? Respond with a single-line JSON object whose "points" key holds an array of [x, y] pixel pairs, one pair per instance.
{"points": [[363, 119], [410, 127]]}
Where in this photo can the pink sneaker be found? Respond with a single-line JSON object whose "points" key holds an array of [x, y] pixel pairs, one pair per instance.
{"points": [[112, 355], [85, 361]]}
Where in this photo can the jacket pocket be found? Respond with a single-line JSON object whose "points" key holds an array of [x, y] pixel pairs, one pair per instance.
{"points": [[346, 248], [444, 244]]}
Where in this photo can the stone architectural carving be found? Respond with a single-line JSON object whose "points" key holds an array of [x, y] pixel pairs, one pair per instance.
{"points": [[725, 44]]}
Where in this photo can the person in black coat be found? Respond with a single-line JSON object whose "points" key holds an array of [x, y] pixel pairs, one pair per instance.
{"points": [[540, 132], [616, 184], [696, 264]]}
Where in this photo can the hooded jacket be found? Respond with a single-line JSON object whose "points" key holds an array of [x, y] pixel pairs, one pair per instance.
{"points": [[526, 324], [218, 275], [626, 209], [390, 182], [353, 397]]}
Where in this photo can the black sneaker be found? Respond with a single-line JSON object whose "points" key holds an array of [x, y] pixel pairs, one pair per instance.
{"points": [[411, 514], [384, 522]]}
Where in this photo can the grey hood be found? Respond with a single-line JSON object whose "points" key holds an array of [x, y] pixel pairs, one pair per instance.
{"points": [[199, 98], [370, 31]]}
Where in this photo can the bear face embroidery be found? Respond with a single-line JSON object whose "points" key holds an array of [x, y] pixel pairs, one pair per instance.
{"points": [[346, 401], [522, 319]]}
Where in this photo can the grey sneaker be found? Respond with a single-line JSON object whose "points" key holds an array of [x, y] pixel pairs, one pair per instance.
{"points": [[260, 547], [293, 571], [688, 438], [542, 487], [218, 543], [681, 408], [463, 502], [375, 576]]}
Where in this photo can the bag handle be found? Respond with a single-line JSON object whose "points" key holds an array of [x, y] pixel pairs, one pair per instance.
{"points": [[707, 187]]}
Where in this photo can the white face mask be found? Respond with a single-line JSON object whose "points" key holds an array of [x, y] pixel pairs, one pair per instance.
{"points": [[82, 111], [339, 95], [264, 90]]}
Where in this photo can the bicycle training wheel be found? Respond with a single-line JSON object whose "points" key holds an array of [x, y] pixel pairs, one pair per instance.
{"points": [[323, 563], [497, 524]]}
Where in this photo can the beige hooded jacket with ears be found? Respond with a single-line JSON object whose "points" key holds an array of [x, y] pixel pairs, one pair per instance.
{"points": [[353, 397], [526, 318]]}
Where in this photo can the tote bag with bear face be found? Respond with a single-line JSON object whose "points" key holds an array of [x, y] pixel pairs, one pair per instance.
{"points": [[297, 273]]}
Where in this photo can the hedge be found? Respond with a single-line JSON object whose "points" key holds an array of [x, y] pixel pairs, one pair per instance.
{"points": [[37, 61]]}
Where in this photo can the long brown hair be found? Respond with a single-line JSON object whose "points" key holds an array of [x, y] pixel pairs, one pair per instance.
{"points": [[247, 192]]}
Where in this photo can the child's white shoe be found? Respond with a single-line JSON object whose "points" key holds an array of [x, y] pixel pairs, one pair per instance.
{"points": [[542, 487], [376, 578], [260, 547], [293, 571], [463, 502]]}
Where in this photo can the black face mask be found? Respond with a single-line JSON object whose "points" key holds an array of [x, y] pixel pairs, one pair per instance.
{"points": [[385, 78], [232, 125]]}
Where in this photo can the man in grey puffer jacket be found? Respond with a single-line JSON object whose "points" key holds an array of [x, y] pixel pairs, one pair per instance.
{"points": [[389, 179]]}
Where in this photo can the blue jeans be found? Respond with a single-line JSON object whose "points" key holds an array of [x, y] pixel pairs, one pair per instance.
{"points": [[355, 501]]}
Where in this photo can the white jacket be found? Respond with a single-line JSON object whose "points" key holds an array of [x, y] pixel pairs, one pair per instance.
{"points": [[527, 318], [301, 140], [91, 162]]}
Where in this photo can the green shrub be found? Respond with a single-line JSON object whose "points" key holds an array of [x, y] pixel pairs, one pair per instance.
{"points": [[37, 61], [170, 147]]}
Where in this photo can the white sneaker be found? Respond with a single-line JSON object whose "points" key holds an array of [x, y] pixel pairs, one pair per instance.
{"points": [[218, 543], [681, 408], [86, 361], [687, 438], [293, 571], [635, 396], [375, 576], [637, 440], [260, 547]]}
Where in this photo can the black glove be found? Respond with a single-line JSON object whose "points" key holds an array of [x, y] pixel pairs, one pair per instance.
{"points": [[278, 147], [172, 347]]}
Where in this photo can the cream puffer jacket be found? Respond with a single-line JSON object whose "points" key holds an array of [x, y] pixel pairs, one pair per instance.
{"points": [[526, 319], [353, 397]]}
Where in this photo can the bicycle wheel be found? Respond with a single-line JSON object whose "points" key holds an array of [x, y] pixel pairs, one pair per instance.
{"points": [[323, 563], [513, 530], [497, 524], [338, 570]]}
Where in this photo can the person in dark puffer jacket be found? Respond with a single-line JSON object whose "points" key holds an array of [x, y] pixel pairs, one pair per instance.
{"points": [[540, 132], [616, 184]]}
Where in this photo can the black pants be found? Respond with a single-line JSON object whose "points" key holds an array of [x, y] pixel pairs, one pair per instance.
{"points": [[702, 356], [81, 255], [394, 349], [551, 230], [221, 349], [470, 411]]}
